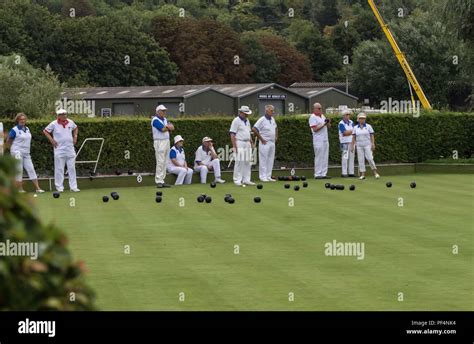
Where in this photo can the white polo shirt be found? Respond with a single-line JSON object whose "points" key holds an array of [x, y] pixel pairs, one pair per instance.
{"points": [[202, 156], [362, 135], [21, 140], [343, 126], [266, 126], [158, 123], [241, 128], [178, 154], [62, 134], [322, 134]]}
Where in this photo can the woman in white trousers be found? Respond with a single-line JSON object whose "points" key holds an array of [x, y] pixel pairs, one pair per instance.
{"points": [[19, 141], [363, 138]]}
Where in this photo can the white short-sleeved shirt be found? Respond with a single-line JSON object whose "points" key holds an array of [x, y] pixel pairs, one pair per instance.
{"points": [[62, 134], [202, 156], [362, 135], [158, 123], [21, 140], [241, 128], [342, 127], [178, 154], [322, 134], [266, 126]]}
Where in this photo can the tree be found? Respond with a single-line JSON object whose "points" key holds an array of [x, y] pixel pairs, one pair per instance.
{"points": [[429, 50], [27, 29], [294, 65], [365, 24], [311, 10], [265, 62], [460, 17], [26, 89], [329, 14], [269, 12], [308, 40], [109, 52], [375, 73], [77, 8], [345, 38], [204, 50], [226, 51]]}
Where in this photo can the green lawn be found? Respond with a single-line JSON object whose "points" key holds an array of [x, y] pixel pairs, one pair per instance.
{"points": [[190, 249]]}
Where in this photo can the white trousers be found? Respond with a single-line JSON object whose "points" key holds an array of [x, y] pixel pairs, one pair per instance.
{"points": [[59, 163], [24, 162], [363, 153], [162, 151], [266, 156], [185, 175], [321, 156], [243, 162], [347, 159], [203, 170]]}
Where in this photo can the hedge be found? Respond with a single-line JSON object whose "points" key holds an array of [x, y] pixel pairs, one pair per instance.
{"points": [[399, 138]]}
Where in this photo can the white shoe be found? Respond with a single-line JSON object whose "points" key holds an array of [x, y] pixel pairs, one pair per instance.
{"points": [[250, 183], [362, 177], [60, 190], [377, 176], [264, 180], [39, 191], [271, 180], [220, 181], [21, 191], [75, 190], [238, 183]]}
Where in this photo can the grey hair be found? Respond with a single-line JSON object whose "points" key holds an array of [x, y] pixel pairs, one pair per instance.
{"points": [[268, 107]]}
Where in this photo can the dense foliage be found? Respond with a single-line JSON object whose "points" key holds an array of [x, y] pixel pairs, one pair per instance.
{"points": [[153, 42], [53, 281]]}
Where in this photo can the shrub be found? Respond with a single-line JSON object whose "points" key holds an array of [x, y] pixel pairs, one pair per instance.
{"points": [[399, 138]]}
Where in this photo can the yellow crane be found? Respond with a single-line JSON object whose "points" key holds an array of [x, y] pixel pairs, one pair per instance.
{"points": [[412, 81]]}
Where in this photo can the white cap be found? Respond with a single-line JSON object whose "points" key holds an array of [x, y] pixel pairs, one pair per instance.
{"points": [[245, 109], [206, 139], [161, 107], [178, 138], [61, 112], [361, 115]]}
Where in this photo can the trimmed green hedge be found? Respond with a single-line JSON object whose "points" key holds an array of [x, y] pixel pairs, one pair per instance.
{"points": [[399, 138]]}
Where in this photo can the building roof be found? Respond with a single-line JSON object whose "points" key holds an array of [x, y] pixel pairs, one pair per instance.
{"points": [[175, 91], [185, 91], [178, 91], [318, 84], [312, 92]]}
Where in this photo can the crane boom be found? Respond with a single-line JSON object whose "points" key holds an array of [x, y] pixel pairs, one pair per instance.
{"points": [[401, 58]]}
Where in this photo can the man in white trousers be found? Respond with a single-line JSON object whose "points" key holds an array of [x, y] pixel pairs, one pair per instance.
{"points": [[62, 134], [161, 129], [206, 160], [319, 127], [242, 147], [177, 162], [346, 127], [267, 133]]}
